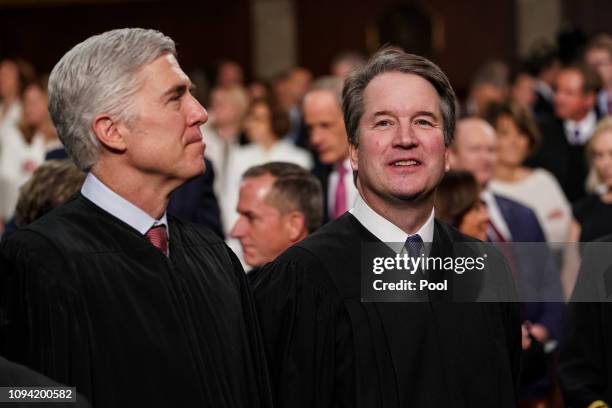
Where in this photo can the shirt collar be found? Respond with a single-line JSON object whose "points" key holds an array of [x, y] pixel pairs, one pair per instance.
{"points": [[102, 196], [384, 229], [586, 126]]}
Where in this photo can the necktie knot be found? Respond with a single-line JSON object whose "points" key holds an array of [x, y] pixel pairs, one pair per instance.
{"points": [[577, 136], [158, 238], [414, 245]]}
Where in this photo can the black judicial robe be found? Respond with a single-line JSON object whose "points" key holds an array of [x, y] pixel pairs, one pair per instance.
{"points": [[89, 302], [585, 366], [326, 348]]}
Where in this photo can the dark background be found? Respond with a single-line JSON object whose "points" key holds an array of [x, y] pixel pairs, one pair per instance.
{"points": [[472, 32]]}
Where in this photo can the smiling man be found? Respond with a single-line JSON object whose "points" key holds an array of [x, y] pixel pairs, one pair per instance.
{"points": [[108, 293], [326, 347]]}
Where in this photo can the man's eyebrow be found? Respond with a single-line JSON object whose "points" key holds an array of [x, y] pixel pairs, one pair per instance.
{"points": [[180, 89], [419, 113]]}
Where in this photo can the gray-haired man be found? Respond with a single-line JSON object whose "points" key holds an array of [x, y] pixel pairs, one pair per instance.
{"points": [[107, 293]]}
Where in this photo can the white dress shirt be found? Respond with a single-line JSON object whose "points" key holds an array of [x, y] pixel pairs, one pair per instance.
{"points": [[585, 128], [105, 198], [385, 230], [495, 214]]}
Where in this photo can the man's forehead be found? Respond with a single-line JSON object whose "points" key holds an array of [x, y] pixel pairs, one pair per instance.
{"points": [[402, 93], [164, 71], [474, 131]]}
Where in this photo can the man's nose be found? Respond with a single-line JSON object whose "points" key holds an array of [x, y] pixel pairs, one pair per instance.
{"points": [[405, 136], [238, 229], [197, 114]]}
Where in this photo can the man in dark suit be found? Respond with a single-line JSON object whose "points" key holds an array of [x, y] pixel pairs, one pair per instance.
{"points": [[327, 347], [565, 134], [544, 64], [195, 201], [474, 150], [279, 205], [108, 292], [327, 135]]}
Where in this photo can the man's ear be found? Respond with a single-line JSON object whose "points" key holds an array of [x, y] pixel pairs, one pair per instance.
{"points": [[353, 150], [447, 165], [296, 226], [109, 132], [451, 159]]}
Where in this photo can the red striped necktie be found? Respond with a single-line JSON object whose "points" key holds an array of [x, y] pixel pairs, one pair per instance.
{"points": [[157, 236]]}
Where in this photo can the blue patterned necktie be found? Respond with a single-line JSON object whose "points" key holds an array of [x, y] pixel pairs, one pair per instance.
{"points": [[414, 245]]}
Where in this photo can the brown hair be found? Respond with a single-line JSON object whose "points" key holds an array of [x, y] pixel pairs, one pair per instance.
{"points": [[295, 189], [279, 119], [521, 117], [456, 195], [51, 184]]}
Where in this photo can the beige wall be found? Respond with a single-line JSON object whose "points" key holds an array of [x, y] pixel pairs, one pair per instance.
{"points": [[536, 20], [274, 36]]}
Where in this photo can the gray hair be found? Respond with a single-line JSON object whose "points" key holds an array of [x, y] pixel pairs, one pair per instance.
{"points": [[330, 84], [295, 189], [391, 59], [99, 76]]}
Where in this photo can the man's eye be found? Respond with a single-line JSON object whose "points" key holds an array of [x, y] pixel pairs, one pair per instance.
{"points": [[175, 97], [383, 123], [423, 122]]}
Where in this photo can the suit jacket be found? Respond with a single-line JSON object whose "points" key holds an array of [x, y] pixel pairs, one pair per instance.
{"points": [[521, 220], [566, 162], [322, 173], [195, 201], [326, 347]]}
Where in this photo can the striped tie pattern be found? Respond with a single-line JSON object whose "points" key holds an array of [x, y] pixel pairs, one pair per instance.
{"points": [[157, 236]]}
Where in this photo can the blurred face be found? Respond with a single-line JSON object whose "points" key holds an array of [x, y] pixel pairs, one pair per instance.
{"points": [[224, 108], [325, 124], [602, 157], [262, 230], [474, 150], [35, 106], [523, 90], [485, 94], [401, 156], [230, 73], [512, 145], [600, 59], [570, 100], [164, 138], [9, 79], [475, 222], [300, 80], [257, 123]]}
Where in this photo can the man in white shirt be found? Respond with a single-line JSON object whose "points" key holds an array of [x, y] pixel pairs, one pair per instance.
{"points": [[107, 292], [327, 344], [327, 135]]}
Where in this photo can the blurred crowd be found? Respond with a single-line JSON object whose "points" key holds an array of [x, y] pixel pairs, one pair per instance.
{"points": [[531, 161]]}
